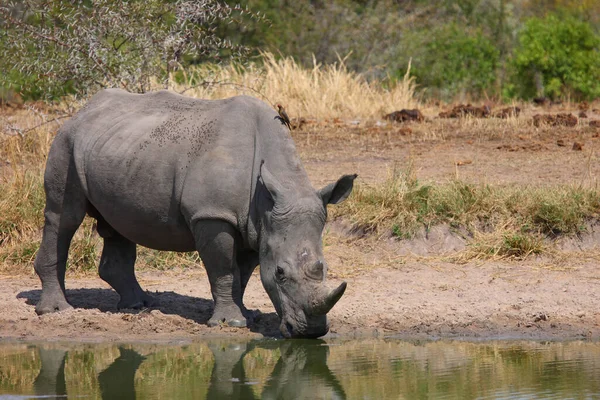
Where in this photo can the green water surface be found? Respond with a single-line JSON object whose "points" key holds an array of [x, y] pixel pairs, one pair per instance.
{"points": [[302, 369]]}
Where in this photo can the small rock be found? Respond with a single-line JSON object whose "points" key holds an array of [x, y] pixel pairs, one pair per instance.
{"points": [[577, 146], [595, 123], [540, 317], [404, 131], [580, 314], [560, 143], [582, 114]]}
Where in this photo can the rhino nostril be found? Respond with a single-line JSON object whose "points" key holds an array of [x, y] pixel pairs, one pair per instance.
{"points": [[286, 329], [289, 328]]}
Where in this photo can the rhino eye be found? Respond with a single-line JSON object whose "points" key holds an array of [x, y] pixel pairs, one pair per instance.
{"points": [[279, 273]]}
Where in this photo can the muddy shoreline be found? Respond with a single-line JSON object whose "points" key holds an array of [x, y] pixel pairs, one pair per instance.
{"points": [[424, 299]]}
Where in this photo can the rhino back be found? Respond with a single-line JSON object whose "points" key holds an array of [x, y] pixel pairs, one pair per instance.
{"points": [[137, 154]]}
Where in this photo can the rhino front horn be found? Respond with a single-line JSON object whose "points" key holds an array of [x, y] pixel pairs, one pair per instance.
{"points": [[323, 307]]}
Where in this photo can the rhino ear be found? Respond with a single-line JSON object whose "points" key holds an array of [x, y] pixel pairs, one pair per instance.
{"points": [[271, 183], [337, 192]]}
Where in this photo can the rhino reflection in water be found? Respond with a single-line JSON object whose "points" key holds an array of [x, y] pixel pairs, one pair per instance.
{"points": [[174, 173], [51, 378], [300, 373], [116, 381]]}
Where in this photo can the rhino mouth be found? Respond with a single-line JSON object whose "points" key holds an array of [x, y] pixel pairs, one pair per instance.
{"points": [[316, 327], [311, 321]]}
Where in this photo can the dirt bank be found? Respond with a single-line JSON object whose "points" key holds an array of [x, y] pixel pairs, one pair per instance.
{"points": [[413, 299]]}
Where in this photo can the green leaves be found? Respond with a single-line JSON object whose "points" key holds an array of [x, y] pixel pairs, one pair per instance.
{"points": [[55, 47], [557, 56], [456, 61]]}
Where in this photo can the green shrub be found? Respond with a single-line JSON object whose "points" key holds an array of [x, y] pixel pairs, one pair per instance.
{"points": [[457, 61], [556, 56], [49, 48]]}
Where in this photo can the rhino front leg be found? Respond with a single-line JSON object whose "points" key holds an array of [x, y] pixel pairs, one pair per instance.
{"points": [[216, 244], [247, 260], [117, 269]]}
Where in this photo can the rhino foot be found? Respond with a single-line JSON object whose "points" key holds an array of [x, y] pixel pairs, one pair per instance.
{"points": [[50, 304], [141, 300], [231, 316]]}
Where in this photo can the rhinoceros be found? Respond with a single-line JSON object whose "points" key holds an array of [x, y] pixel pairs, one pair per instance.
{"points": [[168, 172]]}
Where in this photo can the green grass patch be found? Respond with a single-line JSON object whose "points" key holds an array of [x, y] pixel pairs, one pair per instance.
{"points": [[517, 219]]}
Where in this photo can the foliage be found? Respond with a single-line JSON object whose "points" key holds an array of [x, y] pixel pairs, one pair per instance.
{"points": [[557, 56], [79, 46], [457, 61]]}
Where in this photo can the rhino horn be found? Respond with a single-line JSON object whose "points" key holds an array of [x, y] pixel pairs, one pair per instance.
{"points": [[315, 271], [322, 306]]}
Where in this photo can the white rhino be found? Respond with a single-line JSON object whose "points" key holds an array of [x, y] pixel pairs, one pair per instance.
{"points": [[174, 173]]}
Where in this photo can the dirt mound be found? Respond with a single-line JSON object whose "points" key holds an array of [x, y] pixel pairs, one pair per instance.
{"points": [[561, 119], [595, 123], [507, 112], [405, 115], [463, 110]]}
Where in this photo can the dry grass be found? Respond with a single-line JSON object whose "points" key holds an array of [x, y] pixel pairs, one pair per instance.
{"points": [[323, 92], [502, 221]]}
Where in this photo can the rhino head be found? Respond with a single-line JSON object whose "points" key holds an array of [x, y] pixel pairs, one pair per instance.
{"points": [[292, 267]]}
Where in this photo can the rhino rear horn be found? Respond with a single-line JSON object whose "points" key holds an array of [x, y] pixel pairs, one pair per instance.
{"points": [[315, 271], [322, 307]]}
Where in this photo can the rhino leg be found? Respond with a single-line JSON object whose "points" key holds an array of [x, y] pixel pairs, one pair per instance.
{"points": [[247, 260], [64, 212], [117, 268], [216, 244]]}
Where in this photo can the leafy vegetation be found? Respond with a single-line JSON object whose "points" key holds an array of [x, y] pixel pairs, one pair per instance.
{"points": [[458, 48], [53, 48], [457, 61], [557, 56]]}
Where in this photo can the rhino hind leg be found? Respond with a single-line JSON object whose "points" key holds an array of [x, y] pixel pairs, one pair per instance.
{"points": [[216, 244], [117, 268], [64, 212]]}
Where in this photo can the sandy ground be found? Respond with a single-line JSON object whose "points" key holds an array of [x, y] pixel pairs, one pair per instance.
{"points": [[407, 289], [413, 299]]}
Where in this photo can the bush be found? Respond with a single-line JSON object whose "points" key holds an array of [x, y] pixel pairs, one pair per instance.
{"points": [[556, 57], [456, 61], [54, 47]]}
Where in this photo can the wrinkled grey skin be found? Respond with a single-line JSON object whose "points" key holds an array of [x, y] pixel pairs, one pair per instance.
{"points": [[173, 173]]}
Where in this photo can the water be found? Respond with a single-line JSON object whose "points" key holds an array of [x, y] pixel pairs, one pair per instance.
{"points": [[307, 369]]}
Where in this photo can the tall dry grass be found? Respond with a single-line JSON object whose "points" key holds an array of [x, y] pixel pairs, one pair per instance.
{"points": [[322, 92]]}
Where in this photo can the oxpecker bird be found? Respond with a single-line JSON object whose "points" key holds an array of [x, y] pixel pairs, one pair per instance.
{"points": [[283, 116]]}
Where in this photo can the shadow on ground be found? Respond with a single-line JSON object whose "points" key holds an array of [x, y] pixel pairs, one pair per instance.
{"points": [[196, 309]]}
